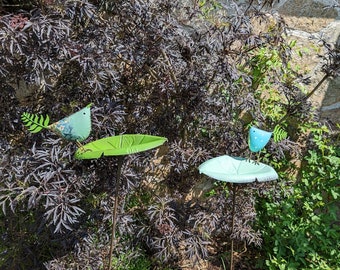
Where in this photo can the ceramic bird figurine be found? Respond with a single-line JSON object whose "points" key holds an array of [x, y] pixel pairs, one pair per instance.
{"points": [[76, 127], [258, 139]]}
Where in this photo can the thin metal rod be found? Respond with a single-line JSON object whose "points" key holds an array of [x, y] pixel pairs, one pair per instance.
{"points": [[233, 188], [115, 209]]}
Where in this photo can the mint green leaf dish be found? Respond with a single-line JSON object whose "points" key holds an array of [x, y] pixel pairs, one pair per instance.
{"points": [[237, 170], [119, 145]]}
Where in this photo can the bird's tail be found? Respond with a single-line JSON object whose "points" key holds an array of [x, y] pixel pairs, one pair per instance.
{"points": [[35, 122]]}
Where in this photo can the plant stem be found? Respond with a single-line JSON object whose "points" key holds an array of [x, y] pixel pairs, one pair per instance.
{"points": [[172, 73], [233, 188], [114, 212], [306, 97]]}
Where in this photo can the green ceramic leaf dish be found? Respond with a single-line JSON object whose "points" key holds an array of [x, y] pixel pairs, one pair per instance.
{"points": [[125, 144]]}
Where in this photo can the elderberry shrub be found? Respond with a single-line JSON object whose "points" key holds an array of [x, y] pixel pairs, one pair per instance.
{"points": [[196, 73]]}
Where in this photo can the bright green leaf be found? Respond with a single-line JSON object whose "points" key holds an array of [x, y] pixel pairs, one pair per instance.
{"points": [[34, 122], [47, 121], [335, 194], [119, 145]]}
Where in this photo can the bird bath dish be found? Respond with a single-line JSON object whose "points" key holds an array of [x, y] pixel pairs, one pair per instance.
{"points": [[237, 170], [119, 145]]}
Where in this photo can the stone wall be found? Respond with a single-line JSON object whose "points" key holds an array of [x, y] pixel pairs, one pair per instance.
{"points": [[308, 21]]}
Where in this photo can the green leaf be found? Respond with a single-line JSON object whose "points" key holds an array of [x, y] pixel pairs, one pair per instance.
{"points": [[279, 133], [119, 145], [34, 128], [335, 194], [35, 122], [47, 120]]}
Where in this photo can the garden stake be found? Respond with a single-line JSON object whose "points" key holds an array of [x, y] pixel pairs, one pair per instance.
{"points": [[121, 145], [236, 170], [233, 188], [115, 209]]}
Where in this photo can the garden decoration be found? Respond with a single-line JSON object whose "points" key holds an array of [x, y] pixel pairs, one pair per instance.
{"points": [[120, 146], [76, 127], [258, 139], [236, 170]]}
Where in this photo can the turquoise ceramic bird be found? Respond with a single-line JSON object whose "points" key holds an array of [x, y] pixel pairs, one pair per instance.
{"points": [[258, 139], [76, 127]]}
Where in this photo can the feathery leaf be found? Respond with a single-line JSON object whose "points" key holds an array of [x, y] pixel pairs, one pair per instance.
{"points": [[279, 133], [34, 122]]}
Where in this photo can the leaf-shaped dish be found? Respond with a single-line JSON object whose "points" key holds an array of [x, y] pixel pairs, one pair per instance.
{"points": [[237, 170], [119, 145]]}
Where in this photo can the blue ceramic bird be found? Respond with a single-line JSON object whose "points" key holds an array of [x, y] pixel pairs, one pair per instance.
{"points": [[76, 127], [258, 139]]}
